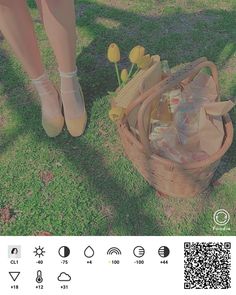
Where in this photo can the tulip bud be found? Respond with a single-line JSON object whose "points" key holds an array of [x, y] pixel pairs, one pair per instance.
{"points": [[124, 75], [145, 62], [116, 113], [113, 53], [136, 53]]}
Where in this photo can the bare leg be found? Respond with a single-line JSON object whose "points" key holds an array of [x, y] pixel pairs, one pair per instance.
{"points": [[17, 27], [59, 21], [60, 25]]}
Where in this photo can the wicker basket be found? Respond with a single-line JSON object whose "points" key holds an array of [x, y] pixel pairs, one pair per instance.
{"points": [[167, 177]]}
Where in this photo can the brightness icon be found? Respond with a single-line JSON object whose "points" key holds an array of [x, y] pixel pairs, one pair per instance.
{"points": [[39, 251]]}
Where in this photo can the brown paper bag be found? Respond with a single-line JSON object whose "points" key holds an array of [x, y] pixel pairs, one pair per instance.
{"points": [[202, 87], [143, 81], [210, 136], [211, 128]]}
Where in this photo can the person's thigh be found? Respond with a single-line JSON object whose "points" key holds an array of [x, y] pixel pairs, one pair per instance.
{"points": [[10, 3]]}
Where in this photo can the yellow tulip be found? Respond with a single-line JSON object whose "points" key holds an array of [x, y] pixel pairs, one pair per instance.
{"points": [[124, 75], [113, 53], [136, 53], [116, 113], [145, 62]]}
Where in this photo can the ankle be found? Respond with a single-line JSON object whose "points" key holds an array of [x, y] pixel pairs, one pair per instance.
{"points": [[43, 85], [69, 82], [64, 74]]}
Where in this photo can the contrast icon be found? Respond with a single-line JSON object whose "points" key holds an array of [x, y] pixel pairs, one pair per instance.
{"points": [[164, 251], [64, 277], [64, 251], [39, 277], [14, 252], [89, 252], [39, 251], [14, 275], [114, 250], [139, 251]]}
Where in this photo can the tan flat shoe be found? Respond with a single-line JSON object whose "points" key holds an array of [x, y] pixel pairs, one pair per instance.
{"points": [[76, 127], [53, 126]]}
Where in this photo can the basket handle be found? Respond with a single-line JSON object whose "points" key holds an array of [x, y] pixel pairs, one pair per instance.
{"points": [[189, 72], [149, 92]]}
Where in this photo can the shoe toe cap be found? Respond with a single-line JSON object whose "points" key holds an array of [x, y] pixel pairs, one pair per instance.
{"points": [[76, 127]]}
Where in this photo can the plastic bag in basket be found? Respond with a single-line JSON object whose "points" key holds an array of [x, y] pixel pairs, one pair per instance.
{"points": [[197, 130]]}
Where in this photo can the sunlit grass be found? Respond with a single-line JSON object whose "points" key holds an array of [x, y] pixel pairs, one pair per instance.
{"points": [[93, 189]]}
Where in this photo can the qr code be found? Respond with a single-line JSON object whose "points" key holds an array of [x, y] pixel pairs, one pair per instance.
{"points": [[207, 265]]}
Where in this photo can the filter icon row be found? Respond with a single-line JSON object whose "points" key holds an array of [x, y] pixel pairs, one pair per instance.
{"points": [[14, 252], [62, 277]]}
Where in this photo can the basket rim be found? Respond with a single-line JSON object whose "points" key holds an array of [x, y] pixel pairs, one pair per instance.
{"points": [[228, 126]]}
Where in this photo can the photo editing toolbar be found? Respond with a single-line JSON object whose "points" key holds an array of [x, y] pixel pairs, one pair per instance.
{"points": [[117, 265]]}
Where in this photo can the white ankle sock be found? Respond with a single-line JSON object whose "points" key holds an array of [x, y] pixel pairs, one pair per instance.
{"points": [[48, 96], [72, 96]]}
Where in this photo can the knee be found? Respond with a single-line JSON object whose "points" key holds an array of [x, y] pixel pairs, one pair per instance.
{"points": [[54, 2], [5, 4], [57, 3]]}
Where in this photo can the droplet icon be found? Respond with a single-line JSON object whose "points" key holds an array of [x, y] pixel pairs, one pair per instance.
{"points": [[89, 252]]}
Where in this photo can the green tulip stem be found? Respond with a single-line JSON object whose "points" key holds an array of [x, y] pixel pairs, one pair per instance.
{"points": [[117, 73], [131, 70], [123, 84], [136, 72]]}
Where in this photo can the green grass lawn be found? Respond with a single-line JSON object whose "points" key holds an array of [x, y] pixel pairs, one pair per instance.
{"points": [[85, 186]]}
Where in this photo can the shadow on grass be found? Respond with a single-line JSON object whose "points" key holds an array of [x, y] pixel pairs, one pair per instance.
{"points": [[178, 37], [98, 176]]}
